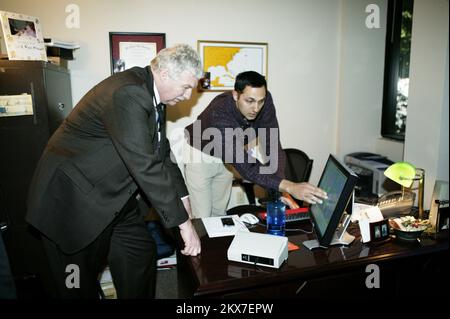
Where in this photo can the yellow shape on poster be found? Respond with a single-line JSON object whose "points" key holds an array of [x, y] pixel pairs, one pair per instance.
{"points": [[218, 56]]}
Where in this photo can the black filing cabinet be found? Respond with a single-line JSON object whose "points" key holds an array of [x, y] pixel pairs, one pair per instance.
{"points": [[22, 140]]}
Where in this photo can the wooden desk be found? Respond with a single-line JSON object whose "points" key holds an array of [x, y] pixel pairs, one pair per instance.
{"points": [[404, 269]]}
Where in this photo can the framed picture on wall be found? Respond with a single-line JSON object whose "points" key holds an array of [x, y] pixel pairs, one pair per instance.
{"points": [[134, 49], [23, 36], [223, 61]]}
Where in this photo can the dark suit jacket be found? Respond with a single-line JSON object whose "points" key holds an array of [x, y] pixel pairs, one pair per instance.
{"points": [[96, 160]]}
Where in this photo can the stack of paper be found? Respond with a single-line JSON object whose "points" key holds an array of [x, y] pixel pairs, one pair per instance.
{"points": [[216, 228], [167, 262], [61, 44], [107, 285]]}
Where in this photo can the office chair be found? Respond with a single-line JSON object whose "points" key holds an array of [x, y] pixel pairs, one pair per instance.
{"points": [[297, 169], [298, 165]]}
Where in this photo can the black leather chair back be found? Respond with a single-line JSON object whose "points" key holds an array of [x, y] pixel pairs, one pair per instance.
{"points": [[298, 165]]}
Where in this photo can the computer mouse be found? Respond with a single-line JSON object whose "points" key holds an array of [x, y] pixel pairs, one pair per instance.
{"points": [[249, 219]]}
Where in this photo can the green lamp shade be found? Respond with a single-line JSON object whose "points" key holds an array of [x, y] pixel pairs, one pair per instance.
{"points": [[402, 173]]}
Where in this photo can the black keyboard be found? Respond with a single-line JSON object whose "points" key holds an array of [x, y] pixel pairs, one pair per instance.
{"points": [[292, 215], [295, 217]]}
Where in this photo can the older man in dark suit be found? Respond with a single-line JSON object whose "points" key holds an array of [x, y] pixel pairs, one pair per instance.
{"points": [[111, 147]]}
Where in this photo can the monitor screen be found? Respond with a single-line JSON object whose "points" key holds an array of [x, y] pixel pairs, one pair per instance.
{"points": [[338, 181]]}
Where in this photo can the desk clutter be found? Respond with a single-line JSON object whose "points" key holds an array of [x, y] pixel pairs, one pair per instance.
{"points": [[221, 226], [375, 228], [321, 274]]}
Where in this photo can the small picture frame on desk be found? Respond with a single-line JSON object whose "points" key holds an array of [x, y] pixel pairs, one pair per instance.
{"points": [[441, 230], [379, 231]]}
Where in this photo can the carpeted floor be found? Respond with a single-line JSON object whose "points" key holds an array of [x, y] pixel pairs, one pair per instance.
{"points": [[167, 284]]}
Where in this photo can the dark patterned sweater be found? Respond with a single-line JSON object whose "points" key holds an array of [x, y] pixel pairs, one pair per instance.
{"points": [[222, 115]]}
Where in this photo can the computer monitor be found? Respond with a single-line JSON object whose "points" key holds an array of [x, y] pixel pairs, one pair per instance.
{"points": [[338, 181]]}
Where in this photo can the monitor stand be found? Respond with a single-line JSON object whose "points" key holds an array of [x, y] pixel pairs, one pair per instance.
{"points": [[340, 237]]}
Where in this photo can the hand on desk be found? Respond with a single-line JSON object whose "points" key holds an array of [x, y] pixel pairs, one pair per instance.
{"points": [[303, 191], [191, 241]]}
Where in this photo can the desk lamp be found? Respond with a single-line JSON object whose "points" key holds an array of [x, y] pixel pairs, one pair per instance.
{"points": [[406, 174]]}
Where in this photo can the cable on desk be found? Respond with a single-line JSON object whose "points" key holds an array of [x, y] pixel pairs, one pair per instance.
{"points": [[299, 229]]}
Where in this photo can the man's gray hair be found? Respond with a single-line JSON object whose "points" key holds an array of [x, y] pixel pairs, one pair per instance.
{"points": [[176, 60]]}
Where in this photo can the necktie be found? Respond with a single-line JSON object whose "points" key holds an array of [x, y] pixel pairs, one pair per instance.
{"points": [[160, 121], [160, 115]]}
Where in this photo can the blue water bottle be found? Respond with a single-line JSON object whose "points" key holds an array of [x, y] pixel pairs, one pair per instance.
{"points": [[276, 214]]}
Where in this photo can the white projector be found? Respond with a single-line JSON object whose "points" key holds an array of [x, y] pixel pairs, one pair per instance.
{"points": [[258, 249]]}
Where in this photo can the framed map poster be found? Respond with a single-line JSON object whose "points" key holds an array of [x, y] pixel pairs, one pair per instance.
{"points": [[223, 61], [23, 36]]}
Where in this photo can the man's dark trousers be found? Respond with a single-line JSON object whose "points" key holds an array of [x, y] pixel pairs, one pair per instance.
{"points": [[125, 245]]}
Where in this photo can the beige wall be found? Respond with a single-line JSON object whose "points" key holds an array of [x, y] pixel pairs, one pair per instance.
{"points": [[361, 89], [303, 51], [426, 143], [325, 66], [360, 79]]}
